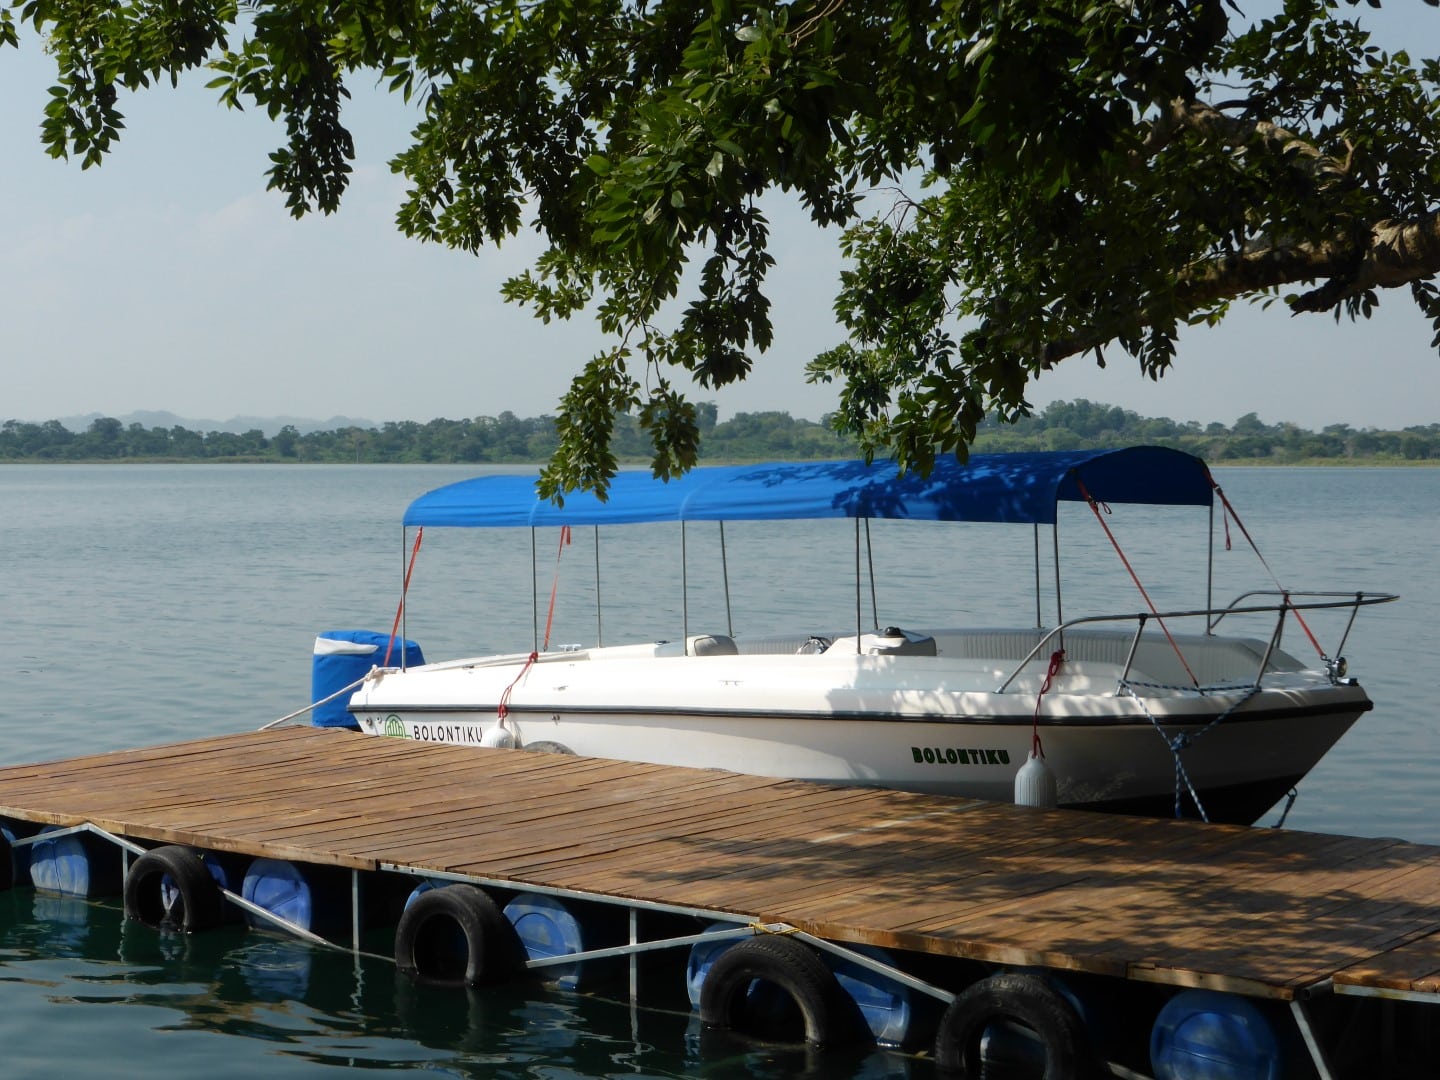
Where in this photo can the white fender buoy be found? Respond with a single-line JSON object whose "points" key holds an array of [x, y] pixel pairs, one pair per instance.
{"points": [[1035, 783], [500, 737]]}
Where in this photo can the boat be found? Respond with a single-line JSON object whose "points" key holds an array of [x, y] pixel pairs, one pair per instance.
{"points": [[1179, 712]]}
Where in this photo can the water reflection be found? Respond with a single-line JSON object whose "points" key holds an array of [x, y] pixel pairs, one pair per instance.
{"points": [[280, 1005]]}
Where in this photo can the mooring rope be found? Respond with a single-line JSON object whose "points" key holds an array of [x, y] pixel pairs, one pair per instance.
{"points": [[1183, 741], [316, 704], [775, 929], [1289, 802]]}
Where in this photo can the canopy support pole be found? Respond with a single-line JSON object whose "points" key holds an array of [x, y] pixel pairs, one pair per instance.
{"points": [[1039, 619], [870, 557], [599, 608], [858, 616], [684, 592], [404, 624], [534, 594], [1210, 572], [725, 577], [1059, 606]]}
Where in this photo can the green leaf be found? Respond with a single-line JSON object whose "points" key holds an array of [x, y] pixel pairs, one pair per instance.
{"points": [[979, 49]]}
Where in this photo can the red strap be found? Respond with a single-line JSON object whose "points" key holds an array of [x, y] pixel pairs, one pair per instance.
{"points": [[555, 584], [503, 708], [1056, 659], [1095, 507], [1229, 513], [404, 590]]}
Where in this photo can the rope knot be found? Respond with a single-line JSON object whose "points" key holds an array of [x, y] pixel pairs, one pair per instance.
{"points": [[1057, 658], [502, 710], [1180, 742]]}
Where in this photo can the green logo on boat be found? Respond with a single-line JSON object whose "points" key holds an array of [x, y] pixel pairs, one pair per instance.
{"points": [[393, 725]]}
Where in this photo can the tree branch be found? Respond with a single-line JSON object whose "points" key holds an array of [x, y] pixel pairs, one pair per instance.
{"points": [[1395, 253], [1209, 122], [1399, 252]]}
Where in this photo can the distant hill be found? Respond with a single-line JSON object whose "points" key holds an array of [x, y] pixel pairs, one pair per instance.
{"points": [[236, 425]]}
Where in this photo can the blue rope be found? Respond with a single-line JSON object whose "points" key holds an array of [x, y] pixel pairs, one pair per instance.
{"points": [[1289, 802], [1182, 741], [1202, 690]]}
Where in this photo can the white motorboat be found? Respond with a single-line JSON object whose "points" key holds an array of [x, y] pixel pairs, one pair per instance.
{"points": [[1146, 712]]}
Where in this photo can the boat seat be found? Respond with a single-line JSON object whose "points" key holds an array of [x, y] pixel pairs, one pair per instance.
{"points": [[772, 644], [710, 645]]}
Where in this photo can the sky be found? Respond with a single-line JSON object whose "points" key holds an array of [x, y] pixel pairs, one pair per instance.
{"points": [[169, 279]]}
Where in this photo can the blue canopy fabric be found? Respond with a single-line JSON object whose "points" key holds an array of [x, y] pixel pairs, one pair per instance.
{"points": [[1025, 488]]}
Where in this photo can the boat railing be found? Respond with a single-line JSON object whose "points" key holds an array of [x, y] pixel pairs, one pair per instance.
{"points": [[1290, 604]]}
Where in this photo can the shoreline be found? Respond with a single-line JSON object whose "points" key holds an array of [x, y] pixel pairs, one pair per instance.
{"points": [[1376, 462]]}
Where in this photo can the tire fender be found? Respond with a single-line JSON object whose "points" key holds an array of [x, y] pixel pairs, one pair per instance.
{"points": [[454, 937], [171, 886], [545, 746], [1020, 999], [829, 1015]]}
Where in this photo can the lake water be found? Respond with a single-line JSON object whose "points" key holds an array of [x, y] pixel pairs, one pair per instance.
{"points": [[148, 604]]}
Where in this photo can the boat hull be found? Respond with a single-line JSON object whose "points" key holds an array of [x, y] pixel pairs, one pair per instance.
{"points": [[1240, 751]]}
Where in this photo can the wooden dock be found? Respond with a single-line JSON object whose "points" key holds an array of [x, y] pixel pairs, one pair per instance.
{"points": [[1262, 912]]}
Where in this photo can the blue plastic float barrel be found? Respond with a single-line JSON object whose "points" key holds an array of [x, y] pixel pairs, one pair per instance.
{"points": [[343, 657], [228, 872], [547, 928], [426, 885], [883, 1002], [310, 898], [703, 955], [1208, 1035], [76, 864], [225, 872]]}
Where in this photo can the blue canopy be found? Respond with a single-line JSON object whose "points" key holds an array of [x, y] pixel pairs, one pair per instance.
{"points": [[989, 487]]}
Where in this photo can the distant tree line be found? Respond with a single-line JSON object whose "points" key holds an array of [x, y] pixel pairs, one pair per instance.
{"points": [[1068, 425], [508, 439], [503, 439]]}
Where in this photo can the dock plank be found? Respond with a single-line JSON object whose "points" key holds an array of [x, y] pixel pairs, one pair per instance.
{"points": [[1261, 911]]}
